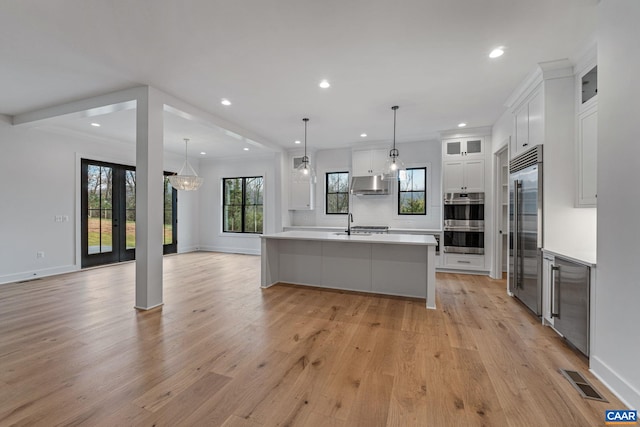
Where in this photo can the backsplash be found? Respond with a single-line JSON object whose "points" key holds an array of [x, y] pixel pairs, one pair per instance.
{"points": [[378, 210]]}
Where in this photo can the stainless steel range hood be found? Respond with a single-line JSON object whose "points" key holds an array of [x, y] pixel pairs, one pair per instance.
{"points": [[370, 186]]}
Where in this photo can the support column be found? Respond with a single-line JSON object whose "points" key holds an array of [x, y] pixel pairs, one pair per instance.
{"points": [[149, 200]]}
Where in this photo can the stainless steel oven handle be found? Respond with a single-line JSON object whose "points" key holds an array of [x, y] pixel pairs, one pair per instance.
{"points": [[462, 228], [554, 289]]}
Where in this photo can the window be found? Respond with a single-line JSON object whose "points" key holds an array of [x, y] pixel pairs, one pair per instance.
{"points": [[412, 194], [337, 193], [242, 205]]}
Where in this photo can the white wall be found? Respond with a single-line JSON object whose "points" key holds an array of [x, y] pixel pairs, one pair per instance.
{"points": [[501, 131], [379, 210], [40, 172], [616, 345], [567, 229], [211, 236]]}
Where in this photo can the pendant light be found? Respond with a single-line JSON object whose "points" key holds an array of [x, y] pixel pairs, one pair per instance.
{"points": [[304, 171], [186, 179], [394, 164]]}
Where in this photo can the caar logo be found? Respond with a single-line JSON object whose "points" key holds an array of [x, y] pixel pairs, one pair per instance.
{"points": [[618, 417]]}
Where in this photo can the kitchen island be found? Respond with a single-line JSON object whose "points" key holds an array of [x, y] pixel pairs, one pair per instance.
{"points": [[391, 264]]}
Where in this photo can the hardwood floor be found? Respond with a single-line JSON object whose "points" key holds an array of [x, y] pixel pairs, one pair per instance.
{"points": [[223, 352]]}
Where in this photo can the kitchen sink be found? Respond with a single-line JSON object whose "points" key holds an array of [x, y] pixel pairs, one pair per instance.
{"points": [[344, 233]]}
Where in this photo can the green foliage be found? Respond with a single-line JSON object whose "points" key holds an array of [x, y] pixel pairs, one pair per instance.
{"points": [[337, 192], [243, 205], [412, 192]]}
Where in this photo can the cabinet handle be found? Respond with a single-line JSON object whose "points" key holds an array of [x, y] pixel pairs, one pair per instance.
{"points": [[554, 312], [463, 262], [525, 144]]}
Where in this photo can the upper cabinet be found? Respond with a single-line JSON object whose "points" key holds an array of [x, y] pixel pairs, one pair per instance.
{"points": [[587, 135], [463, 176], [529, 122], [463, 164], [542, 108], [369, 162], [587, 156], [455, 148]]}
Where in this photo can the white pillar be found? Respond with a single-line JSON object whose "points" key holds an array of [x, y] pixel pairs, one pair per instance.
{"points": [[149, 199]]}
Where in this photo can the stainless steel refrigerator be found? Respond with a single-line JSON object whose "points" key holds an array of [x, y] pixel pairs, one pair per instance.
{"points": [[525, 228]]}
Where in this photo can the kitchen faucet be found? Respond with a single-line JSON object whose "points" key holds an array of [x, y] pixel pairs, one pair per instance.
{"points": [[349, 221]]}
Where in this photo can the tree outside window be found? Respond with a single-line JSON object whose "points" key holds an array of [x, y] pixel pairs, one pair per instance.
{"points": [[337, 193], [412, 194], [242, 210]]}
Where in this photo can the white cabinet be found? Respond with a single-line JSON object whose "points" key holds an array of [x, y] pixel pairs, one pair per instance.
{"points": [[301, 194], [369, 162], [463, 176], [529, 123], [464, 262], [587, 157], [462, 147]]}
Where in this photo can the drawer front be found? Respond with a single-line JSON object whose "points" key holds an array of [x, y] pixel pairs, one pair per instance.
{"points": [[461, 261]]}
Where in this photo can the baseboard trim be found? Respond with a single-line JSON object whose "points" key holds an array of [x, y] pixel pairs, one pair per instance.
{"points": [[188, 249], [230, 250], [29, 275], [148, 308], [628, 394]]}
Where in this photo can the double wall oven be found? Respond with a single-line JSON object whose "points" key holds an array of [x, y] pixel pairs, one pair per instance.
{"points": [[464, 223]]}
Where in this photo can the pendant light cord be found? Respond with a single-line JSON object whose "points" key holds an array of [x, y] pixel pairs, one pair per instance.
{"points": [[305, 120], [394, 152]]}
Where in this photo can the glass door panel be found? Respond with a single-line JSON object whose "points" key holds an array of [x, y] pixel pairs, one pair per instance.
{"points": [[109, 213], [130, 208]]}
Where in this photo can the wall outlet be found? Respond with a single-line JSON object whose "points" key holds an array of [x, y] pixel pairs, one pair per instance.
{"points": [[39, 254]]}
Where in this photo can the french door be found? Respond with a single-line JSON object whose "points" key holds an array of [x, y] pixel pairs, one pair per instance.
{"points": [[108, 218]]}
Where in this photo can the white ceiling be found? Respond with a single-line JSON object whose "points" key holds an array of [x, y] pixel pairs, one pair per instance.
{"points": [[430, 57]]}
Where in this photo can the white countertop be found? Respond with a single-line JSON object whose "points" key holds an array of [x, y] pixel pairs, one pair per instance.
{"points": [[393, 230], [587, 258], [396, 239]]}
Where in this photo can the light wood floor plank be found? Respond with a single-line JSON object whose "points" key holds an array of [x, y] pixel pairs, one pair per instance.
{"points": [[223, 352]]}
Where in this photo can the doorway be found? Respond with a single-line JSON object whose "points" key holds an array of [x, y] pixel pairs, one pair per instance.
{"points": [[502, 211], [108, 213]]}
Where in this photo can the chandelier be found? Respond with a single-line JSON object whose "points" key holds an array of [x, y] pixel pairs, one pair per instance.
{"points": [[186, 179]]}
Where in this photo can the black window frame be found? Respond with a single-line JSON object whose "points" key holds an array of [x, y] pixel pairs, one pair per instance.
{"points": [[326, 195], [400, 192], [243, 205]]}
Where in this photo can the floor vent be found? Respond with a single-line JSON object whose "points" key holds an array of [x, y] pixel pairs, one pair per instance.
{"points": [[583, 386]]}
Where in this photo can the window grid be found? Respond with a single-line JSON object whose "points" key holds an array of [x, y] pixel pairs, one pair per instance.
{"points": [[412, 192], [242, 210], [337, 193]]}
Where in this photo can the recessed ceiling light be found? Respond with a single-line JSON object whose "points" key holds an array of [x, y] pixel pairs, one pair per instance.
{"points": [[245, 149], [225, 101], [202, 153], [364, 135], [296, 142], [497, 52], [324, 84], [461, 125], [95, 125]]}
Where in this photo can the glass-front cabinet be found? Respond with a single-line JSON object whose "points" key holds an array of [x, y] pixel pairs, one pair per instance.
{"points": [[462, 147]]}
